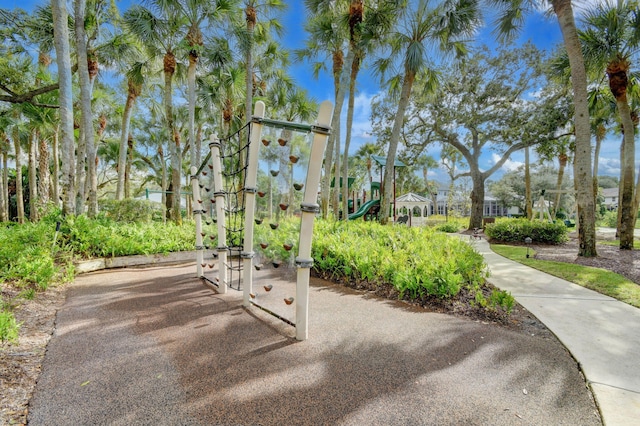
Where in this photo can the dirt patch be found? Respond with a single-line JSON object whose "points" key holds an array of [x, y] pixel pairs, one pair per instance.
{"points": [[20, 362]]}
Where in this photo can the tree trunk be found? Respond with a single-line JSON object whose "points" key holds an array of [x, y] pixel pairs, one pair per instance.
{"points": [[527, 185], [627, 212], [251, 18], [44, 173], [562, 161], [4, 193], [477, 200], [582, 158], [33, 179], [338, 66], [19, 194], [191, 82], [81, 171], [4, 210], [164, 183], [61, 39], [88, 132], [174, 145], [124, 137], [355, 68], [387, 191], [128, 151], [56, 168], [600, 134]]}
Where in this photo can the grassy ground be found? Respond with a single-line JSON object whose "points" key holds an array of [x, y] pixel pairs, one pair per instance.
{"points": [[600, 280]]}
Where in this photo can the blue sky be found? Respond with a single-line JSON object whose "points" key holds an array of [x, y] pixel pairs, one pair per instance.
{"points": [[541, 30]]}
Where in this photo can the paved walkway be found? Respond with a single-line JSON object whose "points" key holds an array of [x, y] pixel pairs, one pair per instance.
{"points": [[602, 333], [154, 346]]}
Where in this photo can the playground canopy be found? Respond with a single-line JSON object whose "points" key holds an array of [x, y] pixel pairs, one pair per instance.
{"points": [[382, 161]]}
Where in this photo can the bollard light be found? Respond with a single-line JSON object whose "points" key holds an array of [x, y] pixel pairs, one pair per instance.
{"points": [[528, 241]]}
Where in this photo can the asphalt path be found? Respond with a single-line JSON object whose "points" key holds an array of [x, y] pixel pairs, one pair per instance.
{"points": [[154, 346]]}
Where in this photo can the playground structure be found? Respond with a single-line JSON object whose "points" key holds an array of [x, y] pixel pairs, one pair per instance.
{"points": [[371, 209], [231, 188]]}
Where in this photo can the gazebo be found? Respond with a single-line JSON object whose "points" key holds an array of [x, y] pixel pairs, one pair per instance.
{"points": [[413, 205]]}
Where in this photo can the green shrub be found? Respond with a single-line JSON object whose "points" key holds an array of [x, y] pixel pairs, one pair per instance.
{"points": [[449, 227], [516, 230], [609, 219], [8, 327], [130, 210], [417, 262], [103, 237]]}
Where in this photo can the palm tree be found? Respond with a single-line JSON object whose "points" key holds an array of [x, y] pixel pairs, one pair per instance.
{"points": [[160, 31], [611, 39], [197, 13], [426, 163], [61, 39], [5, 122], [251, 11], [429, 30], [327, 39], [507, 24], [365, 32]]}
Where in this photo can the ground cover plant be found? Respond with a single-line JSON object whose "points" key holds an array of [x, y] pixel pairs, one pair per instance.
{"points": [[416, 264], [34, 256]]}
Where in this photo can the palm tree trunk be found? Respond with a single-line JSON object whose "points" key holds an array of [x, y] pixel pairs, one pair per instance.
{"points": [[4, 194], [355, 67], [582, 158], [56, 168], [81, 171], [562, 165], [19, 194], [44, 173], [345, 74], [387, 190], [251, 17], [338, 66], [4, 209], [596, 155], [191, 82], [127, 168], [174, 145], [164, 184], [124, 136], [627, 212], [61, 39], [33, 179], [88, 131]]}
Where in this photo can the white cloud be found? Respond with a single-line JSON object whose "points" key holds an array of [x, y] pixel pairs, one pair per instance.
{"points": [[508, 165]]}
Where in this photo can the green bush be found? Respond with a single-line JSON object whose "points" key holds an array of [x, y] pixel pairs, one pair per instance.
{"points": [[449, 227], [516, 230], [8, 327], [609, 219], [103, 237], [417, 262], [130, 210]]}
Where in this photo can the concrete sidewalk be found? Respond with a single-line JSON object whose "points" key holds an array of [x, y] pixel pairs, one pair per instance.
{"points": [[602, 334]]}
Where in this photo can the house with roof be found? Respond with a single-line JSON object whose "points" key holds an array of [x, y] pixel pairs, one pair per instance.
{"points": [[610, 198]]}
